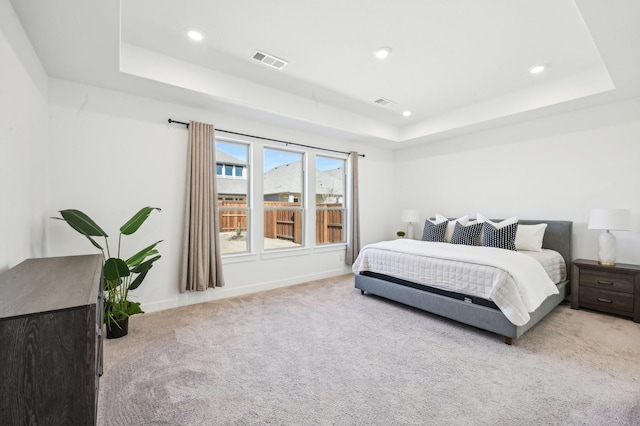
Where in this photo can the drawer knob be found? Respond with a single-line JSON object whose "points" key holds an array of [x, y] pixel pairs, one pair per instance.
{"points": [[605, 282], [603, 300]]}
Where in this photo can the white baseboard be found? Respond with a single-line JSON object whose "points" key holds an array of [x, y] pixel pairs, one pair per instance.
{"points": [[190, 298]]}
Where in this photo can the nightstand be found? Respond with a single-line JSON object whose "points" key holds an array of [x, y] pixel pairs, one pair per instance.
{"points": [[611, 289]]}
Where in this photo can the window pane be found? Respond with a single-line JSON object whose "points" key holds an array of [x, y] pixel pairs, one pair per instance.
{"points": [[233, 196], [238, 171], [330, 209], [283, 195]]}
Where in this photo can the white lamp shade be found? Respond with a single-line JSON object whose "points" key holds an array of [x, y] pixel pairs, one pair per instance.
{"points": [[410, 215], [611, 219]]}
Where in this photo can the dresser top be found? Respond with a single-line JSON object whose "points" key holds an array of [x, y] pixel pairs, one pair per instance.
{"points": [[50, 283], [618, 267]]}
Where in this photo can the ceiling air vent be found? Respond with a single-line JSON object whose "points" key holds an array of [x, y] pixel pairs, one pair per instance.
{"points": [[383, 101], [270, 60]]}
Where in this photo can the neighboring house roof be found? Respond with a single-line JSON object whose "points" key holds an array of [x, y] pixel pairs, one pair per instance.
{"points": [[288, 179], [224, 158], [329, 181], [283, 179]]}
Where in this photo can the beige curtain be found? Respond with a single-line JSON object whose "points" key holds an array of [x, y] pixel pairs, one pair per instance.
{"points": [[353, 237], [201, 260]]}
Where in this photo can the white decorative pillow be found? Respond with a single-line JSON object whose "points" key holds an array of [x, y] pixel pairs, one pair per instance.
{"points": [[452, 225], [497, 225], [529, 237], [439, 219]]}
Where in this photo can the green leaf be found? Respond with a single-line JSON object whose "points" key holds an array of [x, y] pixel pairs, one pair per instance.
{"points": [[133, 308], [138, 219], [137, 258], [136, 283], [115, 268], [80, 230], [145, 266], [142, 269], [82, 223]]}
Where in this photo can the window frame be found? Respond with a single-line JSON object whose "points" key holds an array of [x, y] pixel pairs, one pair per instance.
{"points": [[322, 210], [248, 200]]}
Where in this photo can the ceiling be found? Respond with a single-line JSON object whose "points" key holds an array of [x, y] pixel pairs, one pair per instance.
{"points": [[457, 65]]}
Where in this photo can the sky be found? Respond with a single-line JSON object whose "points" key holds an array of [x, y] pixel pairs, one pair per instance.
{"points": [[274, 157]]}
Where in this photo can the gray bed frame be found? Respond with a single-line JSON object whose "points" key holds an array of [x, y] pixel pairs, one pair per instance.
{"points": [[557, 237]]}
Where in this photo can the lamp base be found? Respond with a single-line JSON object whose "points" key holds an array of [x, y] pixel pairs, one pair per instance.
{"points": [[410, 231], [607, 249]]}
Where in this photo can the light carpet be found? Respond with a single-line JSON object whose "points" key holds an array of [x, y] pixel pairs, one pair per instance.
{"points": [[322, 354]]}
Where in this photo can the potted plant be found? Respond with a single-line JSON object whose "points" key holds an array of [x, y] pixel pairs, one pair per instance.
{"points": [[400, 234], [120, 275]]}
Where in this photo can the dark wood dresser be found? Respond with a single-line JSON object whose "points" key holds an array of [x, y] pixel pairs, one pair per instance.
{"points": [[50, 341], [613, 289]]}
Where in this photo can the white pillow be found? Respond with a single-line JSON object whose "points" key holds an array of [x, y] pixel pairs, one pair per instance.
{"points": [[497, 225], [451, 225], [439, 219], [529, 237]]}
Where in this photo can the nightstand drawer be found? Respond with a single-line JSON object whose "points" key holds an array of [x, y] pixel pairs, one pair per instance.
{"points": [[611, 301], [607, 280]]}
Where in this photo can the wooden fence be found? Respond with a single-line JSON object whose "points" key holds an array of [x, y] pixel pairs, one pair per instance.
{"points": [[231, 220], [328, 223], [285, 224]]}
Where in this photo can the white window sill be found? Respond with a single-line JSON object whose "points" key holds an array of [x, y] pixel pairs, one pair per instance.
{"points": [[326, 248], [238, 258], [275, 254]]}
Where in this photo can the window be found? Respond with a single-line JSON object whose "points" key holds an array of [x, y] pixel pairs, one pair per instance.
{"points": [[233, 196], [283, 192], [330, 200]]}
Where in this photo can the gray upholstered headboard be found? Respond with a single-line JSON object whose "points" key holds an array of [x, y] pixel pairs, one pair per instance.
{"points": [[557, 237]]}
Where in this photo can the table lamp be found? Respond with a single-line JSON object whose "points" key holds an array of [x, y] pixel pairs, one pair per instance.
{"points": [[609, 220], [410, 216]]}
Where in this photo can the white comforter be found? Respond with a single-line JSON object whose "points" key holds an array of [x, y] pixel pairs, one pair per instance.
{"points": [[515, 282]]}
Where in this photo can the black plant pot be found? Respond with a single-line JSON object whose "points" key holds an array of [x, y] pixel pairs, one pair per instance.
{"points": [[118, 329]]}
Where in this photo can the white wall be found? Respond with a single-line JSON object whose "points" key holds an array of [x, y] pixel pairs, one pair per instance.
{"points": [[114, 153], [23, 144], [558, 167]]}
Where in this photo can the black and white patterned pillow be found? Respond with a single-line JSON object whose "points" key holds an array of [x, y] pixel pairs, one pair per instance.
{"points": [[504, 238], [434, 231], [468, 235]]}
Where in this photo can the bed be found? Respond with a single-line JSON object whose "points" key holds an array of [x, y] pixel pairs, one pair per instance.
{"points": [[470, 309]]}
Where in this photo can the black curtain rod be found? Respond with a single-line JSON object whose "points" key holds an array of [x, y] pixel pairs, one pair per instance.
{"points": [[268, 139]]}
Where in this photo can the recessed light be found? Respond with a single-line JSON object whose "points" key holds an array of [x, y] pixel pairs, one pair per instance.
{"points": [[537, 69], [194, 34], [406, 113], [382, 52]]}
